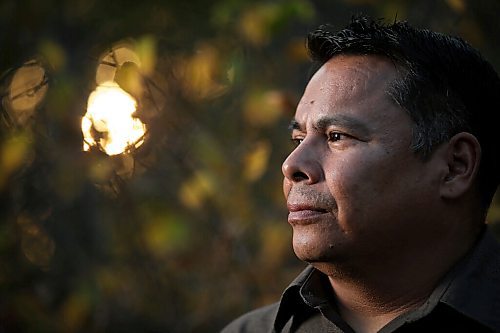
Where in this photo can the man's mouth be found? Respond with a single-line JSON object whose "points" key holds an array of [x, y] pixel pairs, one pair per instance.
{"points": [[304, 214]]}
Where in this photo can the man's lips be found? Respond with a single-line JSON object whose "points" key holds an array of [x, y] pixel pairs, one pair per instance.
{"points": [[304, 214]]}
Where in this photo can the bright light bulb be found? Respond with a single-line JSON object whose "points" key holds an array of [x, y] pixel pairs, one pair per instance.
{"points": [[109, 112]]}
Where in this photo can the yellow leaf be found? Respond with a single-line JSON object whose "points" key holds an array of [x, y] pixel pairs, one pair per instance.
{"points": [[255, 23], [165, 234], [458, 6], [201, 71], [275, 243], [146, 51], [256, 161], [15, 152], [264, 108], [54, 54], [194, 191], [74, 311]]}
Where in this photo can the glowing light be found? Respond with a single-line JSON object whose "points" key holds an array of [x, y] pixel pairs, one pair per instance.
{"points": [[109, 122]]}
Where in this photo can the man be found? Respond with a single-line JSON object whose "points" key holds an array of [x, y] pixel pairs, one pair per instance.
{"points": [[388, 187]]}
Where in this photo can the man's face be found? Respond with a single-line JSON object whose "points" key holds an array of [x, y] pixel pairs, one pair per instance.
{"points": [[354, 188]]}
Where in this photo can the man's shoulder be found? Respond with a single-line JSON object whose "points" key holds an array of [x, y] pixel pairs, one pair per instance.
{"points": [[259, 320], [475, 288]]}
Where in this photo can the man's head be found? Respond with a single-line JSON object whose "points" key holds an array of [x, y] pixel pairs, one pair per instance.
{"points": [[388, 143]]}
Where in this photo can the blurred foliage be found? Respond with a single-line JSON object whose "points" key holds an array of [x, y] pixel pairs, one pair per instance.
{"points": [[187, 230]]}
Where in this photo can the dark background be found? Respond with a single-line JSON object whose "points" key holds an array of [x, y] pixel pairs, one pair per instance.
{"points": [[189, 230]]}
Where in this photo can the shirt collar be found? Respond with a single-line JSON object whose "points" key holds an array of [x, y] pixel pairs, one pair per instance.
{"points": [[290, 299]]}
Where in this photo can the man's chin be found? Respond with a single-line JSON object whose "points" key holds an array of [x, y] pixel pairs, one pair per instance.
{"points": [[313, 254], [311, 243]]}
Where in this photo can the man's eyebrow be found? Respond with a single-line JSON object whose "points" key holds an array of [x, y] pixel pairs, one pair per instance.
{"points": [[344, 121], [294, 125], [336, 120]]}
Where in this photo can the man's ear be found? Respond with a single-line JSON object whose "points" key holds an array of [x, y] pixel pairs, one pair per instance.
{"points": [[463, 155]]}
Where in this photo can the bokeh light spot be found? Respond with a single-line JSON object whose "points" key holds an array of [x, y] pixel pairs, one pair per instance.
{"points": [[27, 89], [256, 161], [111, 61], [264, 108], [15, 152], [204, 74], [196, 190]]}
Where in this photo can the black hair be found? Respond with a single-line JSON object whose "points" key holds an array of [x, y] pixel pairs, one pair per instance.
{"points": [[445, 85]]}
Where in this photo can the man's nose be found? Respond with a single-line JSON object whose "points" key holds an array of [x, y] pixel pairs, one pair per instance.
{"points": [[302, 165]]}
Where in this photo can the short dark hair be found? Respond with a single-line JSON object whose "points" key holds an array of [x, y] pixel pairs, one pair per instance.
{"points": [[445, 85]]}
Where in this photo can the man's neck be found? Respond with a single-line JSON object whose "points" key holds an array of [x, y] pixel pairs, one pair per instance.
{"points": [[367, 310], [371, 297]]}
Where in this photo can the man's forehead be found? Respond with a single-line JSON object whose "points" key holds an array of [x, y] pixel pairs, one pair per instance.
{"points": [[346, 76], [349, 75]]}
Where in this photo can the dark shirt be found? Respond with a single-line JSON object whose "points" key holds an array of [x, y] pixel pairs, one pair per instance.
{"points": [[466, 300]]}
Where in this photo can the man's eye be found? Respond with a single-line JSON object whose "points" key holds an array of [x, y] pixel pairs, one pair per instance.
{"points": [[297, 142], [336, 136]]}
